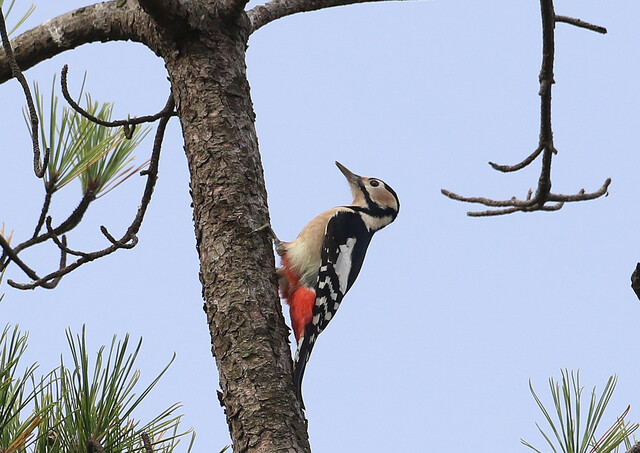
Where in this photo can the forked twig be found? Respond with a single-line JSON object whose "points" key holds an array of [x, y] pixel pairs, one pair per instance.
{"points": [[546, 148]]}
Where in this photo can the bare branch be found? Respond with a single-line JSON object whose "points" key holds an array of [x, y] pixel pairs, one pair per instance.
{"points": [[127, 242], [528, 205], [582, 196], [12, 256], [497, 212], [63, 263], [70, 223], [45, 209], [107, 21], [33, 116], [546, 148], [487, 201], [128, 130], [493, 213], [275, 9], [581, 24], [518, 166], [62, 244]]}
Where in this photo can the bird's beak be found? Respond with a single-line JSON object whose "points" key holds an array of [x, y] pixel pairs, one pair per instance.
{"points": [[354, 180]]}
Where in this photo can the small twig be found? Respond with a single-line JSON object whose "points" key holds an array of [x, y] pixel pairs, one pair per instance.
{"points": [[43, 212], [33, 116], [152, 170], [62, 244], [128, 243], [582, 196], [78, 213], [261, 15], [70, 223], [581, 24], [492, 212], [11, 255], [146, 441], [128, 124], [487, 201], [63, 263], [497, 212], [46, 282], [518, 166]]}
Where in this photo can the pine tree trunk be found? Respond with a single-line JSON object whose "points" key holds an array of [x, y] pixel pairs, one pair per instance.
{"points": [[203, 45], [248, 333]]}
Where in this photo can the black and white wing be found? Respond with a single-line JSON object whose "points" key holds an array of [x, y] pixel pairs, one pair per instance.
{"points": [[343, 250]]}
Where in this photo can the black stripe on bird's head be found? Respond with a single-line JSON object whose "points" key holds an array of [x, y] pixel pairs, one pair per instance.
{"points": [[372, 194]]}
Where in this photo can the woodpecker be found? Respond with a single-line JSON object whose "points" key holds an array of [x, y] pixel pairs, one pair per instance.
{"points": [[321, 264]]}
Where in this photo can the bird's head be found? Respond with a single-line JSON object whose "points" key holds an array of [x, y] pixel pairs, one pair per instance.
{"points": [[372, 194]]}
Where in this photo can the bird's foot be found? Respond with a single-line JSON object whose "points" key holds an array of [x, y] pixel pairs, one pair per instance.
{"points": [[280, 249]]}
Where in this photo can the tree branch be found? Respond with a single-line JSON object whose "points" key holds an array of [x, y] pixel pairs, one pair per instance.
{"points": [[275, 9], [33, 116], [180, 17], [70, 223], [519, 166], [581, 24], [115, 20], [543, 194], [12, 256], [49, 189], [128, 240], [128, 124]]}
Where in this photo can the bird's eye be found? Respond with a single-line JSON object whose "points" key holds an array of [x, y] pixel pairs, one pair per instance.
{"points": [[374, 183]]}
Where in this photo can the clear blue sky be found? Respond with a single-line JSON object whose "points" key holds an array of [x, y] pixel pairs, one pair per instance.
{"points": [[451, 316]]}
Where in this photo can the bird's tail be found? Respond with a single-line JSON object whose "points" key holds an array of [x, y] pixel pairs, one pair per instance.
{"points": [[300, 362]]}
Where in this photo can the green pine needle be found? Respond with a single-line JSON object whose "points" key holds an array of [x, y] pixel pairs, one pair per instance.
{"points": [[570, 433], [99, 156], [90, 401], [22, 19], [16, 434]]}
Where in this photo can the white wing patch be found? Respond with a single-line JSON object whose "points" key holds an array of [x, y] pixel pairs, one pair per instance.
{"points": [[343, 263]]}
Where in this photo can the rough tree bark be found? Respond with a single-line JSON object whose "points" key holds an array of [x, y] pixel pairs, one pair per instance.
{"points": [[229, 200], [203, 45]]}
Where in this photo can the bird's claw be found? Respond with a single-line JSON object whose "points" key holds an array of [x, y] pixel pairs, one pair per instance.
{"points": [[279, 244]]}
